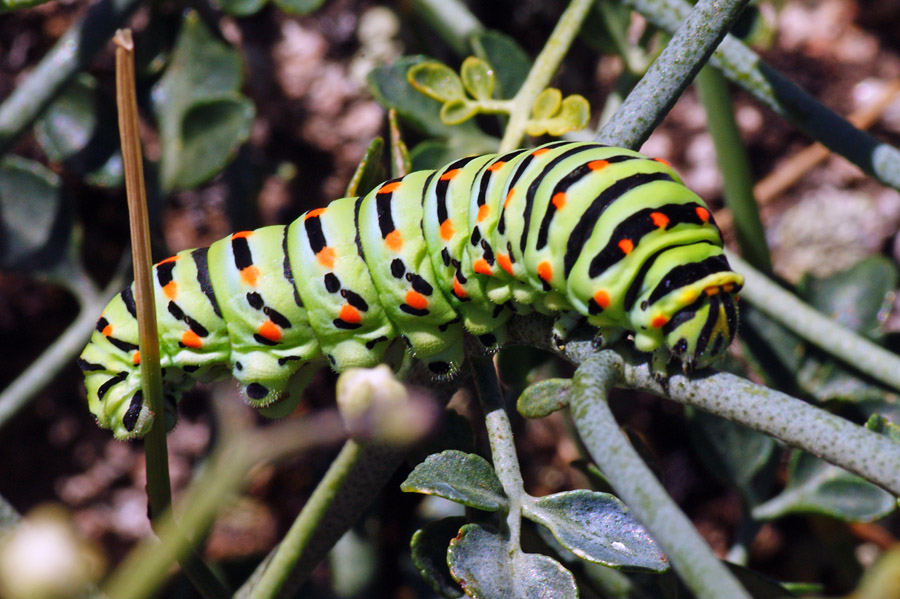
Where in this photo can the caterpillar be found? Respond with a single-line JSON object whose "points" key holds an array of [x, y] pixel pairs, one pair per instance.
{"points": [[580, 230]]}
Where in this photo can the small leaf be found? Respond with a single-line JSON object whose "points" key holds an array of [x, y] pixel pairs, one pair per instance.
{"points": [[498, 48], [400, 162], [544, 398], [465, 478], [299, 7], [573, 116], [478, 78], [482, 563], [597, 527], [457, 111], [69, 122], [211, 133], [429, 554], [369, 172], [436, 80], [547, 104], [202, 116], [34, 228], [817, 487]]}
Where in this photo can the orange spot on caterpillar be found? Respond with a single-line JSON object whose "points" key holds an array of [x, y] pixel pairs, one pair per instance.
{"points": [[659, 321], [659, 219], [626, 245], [326, 257], [496, 166], [249, 275], [167, 260], [509, 195], [559, 200], [241, 234], [136, 358], [601, 298], [483, 212], [350, 314], [389, 187], [597, 165], [450, 174], [482, 267], [107, 330], [540, 151], [170, 289], [545, 271], [711, 290], [728, 287], [394, 240], [663, 161], [505, 263], [191, 339], [416, 300], [703, 214], [313, 213], [458, 290], [447, 230], [269, 330]]}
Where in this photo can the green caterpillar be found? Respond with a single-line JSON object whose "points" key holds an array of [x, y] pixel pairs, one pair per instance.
{"points": [[577, 229]]}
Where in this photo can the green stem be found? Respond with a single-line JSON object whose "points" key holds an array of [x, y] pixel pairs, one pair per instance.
{"points": [[691, 557], [737, 181], [503, 448], [545, 66], [70, 55], [350, 485], [785, 308], [671, 73], [63, 351], [745, 68], [451, 19], [148, 566]]}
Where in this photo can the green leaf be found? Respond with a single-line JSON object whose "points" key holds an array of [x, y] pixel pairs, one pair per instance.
{"points": [[482, 563], [400, 161], [478, 78], [435, 153], [465, 478], [597, 527], [497, 48], [458, 111], [574, 115], [10, 5], [70, 121], [737, 455], [202, 116], [299, 7], [544, 398], [817, 487], [392, 90], [429, 554], [436, 80], [547, 104], [369, 172], [241, 8], [34, 223]]}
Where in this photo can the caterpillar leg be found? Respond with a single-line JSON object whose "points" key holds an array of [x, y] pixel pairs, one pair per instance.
{"points": [[293, 391], [563, 325], [263, 376]]}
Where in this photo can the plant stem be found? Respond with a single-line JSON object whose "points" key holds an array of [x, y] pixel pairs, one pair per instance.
{"points": [[503, 448], [737, 181], [69, 56], [349, 486], [691, 557], [451, 20], [745, 68], [785, 308], [671, 73], [545, 66]]}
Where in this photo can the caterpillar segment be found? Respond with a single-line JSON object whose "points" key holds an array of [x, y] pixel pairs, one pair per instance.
{"points": [[583, 231]]}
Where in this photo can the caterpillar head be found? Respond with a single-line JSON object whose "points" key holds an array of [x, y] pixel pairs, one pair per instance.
{"points": [[700, 333]]}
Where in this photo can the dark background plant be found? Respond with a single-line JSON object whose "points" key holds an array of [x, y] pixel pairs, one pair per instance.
{"points": [[253, 113]]}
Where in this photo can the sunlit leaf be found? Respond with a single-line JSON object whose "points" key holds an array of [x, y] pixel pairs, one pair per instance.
{"points": [[478, 78], [465, 478]]}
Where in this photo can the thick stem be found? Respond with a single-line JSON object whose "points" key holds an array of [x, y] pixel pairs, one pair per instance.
{"points": [[635, 484], [671, 73]]}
